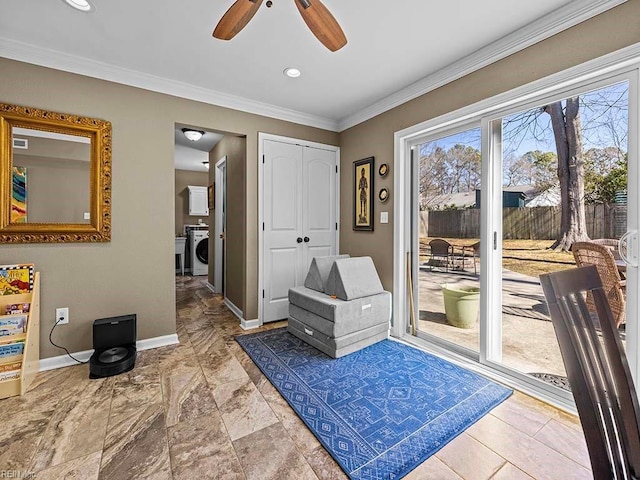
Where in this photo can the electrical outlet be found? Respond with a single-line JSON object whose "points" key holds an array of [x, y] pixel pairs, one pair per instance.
{"points": [[62, 315]]}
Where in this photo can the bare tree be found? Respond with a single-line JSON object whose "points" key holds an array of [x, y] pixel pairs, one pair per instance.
{"points": [[606, 113], [567, 132], [445, 172]]}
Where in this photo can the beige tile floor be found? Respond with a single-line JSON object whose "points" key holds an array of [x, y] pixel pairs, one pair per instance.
{"points": [[202, 410]]}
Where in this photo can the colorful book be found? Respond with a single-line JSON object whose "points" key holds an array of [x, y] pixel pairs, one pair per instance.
{"points": [[16, 308], [6, 332], [15, 279], [9, 375], [10, 367], [11, 349], [14, 322]]}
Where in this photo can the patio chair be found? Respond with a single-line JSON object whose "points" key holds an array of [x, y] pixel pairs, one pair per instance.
{"points": [[589, 253], [598, 371], [610, 243], [441, 254], [476, 255]]}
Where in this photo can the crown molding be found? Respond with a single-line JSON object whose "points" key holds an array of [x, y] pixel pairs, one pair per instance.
{"points": [[555, 22], [28, 53], [565, 17]]}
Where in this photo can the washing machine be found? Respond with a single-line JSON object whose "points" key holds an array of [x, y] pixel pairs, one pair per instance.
{"points": [[199, 250]]}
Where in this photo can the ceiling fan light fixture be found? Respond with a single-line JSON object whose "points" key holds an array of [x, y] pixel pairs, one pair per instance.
{"points": [[82, 5], [292, 72], [318, 18], [193, 135]]}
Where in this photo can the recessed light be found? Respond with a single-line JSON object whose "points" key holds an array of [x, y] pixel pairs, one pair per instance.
{"points": [[292, 72], [82, 5]]}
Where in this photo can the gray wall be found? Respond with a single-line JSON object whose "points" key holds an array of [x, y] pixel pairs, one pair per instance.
{"points": [[608, 32], [235, 149], [134, 273]]}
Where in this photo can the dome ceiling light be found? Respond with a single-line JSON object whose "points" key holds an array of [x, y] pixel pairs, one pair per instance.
{"points": [[82, 5], [193, 135]]}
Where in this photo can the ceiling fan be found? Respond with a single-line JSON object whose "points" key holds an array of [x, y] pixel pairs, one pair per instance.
{"points": [[319, 20]]}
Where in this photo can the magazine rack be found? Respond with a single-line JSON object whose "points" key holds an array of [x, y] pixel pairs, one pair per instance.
{"points": [[30, 357]]}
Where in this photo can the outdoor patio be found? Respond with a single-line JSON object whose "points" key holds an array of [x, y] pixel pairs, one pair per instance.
{"points": [[529, 343]]}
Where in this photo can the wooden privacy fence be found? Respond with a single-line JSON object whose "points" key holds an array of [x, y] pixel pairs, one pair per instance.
{"points": [[536, 223]]}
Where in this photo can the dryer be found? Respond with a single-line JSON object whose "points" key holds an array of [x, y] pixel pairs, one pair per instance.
{"points": [[199, 251]]}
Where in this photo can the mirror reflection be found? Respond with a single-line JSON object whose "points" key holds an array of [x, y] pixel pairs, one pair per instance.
{"points": [[55, 177], [51, 177]]}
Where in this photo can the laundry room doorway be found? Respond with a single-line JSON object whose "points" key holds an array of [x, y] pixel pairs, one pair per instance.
{"points": [[219, 222]]}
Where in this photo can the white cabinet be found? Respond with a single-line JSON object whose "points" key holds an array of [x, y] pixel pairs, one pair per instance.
{"points": [[198, 202]]}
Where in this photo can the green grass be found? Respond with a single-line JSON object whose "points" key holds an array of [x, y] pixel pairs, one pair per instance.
{"points": [[528, 257]]}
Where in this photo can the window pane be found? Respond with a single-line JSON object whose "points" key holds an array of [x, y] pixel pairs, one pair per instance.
{"points": [[449, 188], [564, 180]]}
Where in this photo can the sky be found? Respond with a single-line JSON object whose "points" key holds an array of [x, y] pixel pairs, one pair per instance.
{"points": [[603, 126]]}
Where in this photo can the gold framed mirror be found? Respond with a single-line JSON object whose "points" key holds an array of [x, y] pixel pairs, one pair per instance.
{"points": [[55, 177]]}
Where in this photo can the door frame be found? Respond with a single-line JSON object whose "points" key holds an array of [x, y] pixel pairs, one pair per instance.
{"points": [[262, 137], [625, 61], [219, 251]]}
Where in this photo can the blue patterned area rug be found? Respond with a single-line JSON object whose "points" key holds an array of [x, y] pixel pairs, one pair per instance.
{"points": [[380, 412]]}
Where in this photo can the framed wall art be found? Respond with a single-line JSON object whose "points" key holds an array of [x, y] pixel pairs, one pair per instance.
{"points": [[211, 195], [363, 194]]}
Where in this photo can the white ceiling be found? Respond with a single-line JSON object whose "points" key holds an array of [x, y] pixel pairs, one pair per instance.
{"points": [[397, 49]]}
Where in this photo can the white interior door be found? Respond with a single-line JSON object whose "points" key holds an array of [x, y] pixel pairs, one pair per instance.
{"points": [[282, 226], [299, 201], [318, 205]]}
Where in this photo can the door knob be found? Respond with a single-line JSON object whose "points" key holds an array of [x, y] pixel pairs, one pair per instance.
{"points": [[306, 239], [299, 240]]}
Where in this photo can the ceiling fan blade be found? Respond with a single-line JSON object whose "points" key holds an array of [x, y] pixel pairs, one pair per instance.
{"points": [[322, 24], [236, 18]]}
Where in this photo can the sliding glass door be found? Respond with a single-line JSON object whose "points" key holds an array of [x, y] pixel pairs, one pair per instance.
{"points": [[448, 187], [564, 187], [503, 197]]}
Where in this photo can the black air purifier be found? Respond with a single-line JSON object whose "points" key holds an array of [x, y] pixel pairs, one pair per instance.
{"points": [[114, 342]]}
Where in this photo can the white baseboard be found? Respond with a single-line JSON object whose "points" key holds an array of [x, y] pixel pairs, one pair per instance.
{"points": [[235, 310], [157, 342], [210, 287], [250, 324], [244, 324], [60, 361]]}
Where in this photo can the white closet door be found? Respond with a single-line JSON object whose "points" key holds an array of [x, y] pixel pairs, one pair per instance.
{"points": [[299, 218], [318, 205], [282, 226]]}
